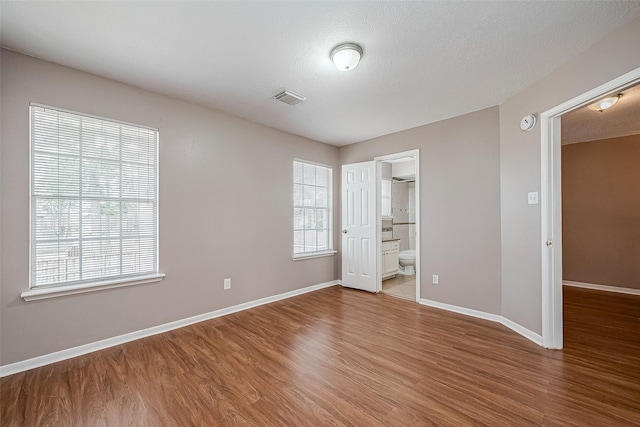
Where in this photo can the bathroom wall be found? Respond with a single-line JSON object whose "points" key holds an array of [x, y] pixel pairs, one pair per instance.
{"points": [[386, 197], [404, 169], [403, 203], [404, 213], [412, 215], [387, 170]]}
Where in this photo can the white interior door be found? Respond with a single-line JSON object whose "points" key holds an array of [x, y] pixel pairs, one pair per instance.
{"points": [[359, 243]]}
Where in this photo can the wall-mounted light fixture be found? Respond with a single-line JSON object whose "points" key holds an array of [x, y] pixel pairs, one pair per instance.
{"points": [[346, 56], [604, 103]]}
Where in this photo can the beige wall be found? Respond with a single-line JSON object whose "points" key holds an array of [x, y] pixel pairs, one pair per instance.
{"points": [[520, 165], [601, 212], [460, 204], [225, 211]]}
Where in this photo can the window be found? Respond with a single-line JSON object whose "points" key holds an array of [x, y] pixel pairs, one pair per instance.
{"points": [[94, 203], [311, 209]]}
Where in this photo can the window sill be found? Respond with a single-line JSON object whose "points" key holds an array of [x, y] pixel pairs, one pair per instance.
{"points": [[299, 257], [59, 291]]}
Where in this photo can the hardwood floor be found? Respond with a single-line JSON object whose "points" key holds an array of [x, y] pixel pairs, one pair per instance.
{"points": [[346, 358]]}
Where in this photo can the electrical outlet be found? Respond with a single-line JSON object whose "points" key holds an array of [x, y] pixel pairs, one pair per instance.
{"points": [[227, 283], [436, 279]]}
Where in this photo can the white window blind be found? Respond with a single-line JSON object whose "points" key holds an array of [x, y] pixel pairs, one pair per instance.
{"points": [[311, 208], [93, 199]]}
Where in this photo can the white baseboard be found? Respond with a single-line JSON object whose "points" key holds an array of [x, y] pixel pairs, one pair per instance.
{"points": [[461, 310], [14, 368], [532, 336], [605, 288]]}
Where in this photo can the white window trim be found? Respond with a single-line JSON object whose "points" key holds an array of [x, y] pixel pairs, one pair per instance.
{"points": [[62, 290], [35, 293], [331, 251], [93, 116], [298, 257]]}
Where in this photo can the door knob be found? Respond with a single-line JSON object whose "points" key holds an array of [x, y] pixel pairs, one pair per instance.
{"points": [[549, 243], [344, 231]]}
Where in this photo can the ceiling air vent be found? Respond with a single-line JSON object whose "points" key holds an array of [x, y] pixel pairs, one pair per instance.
{"points": [[289, 97]]}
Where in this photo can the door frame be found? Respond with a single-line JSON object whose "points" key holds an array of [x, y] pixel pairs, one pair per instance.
{"points": [[395, 156], [551, 204]]}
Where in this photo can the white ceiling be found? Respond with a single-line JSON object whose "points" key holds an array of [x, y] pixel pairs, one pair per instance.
{"points": [[622, 119], [423, 61]]}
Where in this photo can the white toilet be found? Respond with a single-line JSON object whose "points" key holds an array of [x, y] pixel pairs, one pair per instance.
{"points": [[407, 260]]}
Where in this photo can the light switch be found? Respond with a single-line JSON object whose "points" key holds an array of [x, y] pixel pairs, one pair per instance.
{"points": [[533, 198]]}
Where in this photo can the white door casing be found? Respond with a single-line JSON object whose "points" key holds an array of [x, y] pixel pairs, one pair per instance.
{"points": [[416, 156], [551, 204], [359, 226]]}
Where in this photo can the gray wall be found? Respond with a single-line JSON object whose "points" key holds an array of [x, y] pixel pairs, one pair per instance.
{"points": [[612, 57], [460, 204], [225, 211]]}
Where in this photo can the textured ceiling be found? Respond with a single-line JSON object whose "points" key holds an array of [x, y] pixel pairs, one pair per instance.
{"points": [[622, 119], [423, 61]]}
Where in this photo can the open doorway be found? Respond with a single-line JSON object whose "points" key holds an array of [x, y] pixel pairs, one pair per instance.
{"points": [[551, 199], [600, 165], [600, 159], [399, 225]]}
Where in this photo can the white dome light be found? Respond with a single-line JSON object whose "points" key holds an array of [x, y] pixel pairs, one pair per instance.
{"points": [[346, 56], [604, 103]]}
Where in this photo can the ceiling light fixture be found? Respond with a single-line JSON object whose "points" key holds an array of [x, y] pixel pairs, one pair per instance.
{"points": [[346, 56], [604, 103]]}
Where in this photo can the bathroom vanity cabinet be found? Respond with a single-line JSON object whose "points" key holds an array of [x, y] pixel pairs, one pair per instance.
{"points": [[390, 251]]}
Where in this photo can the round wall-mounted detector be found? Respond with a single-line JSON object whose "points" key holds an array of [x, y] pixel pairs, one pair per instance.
{"points": [[528, 122]]}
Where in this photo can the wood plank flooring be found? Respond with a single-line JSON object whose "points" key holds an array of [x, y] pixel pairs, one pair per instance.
{"points": [[341, 357]]}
